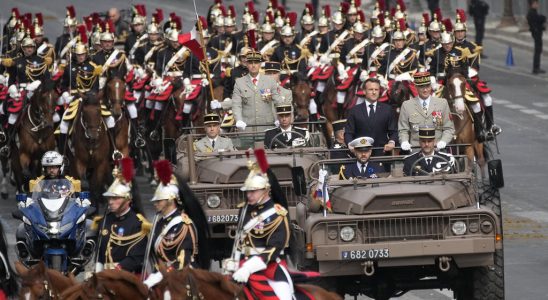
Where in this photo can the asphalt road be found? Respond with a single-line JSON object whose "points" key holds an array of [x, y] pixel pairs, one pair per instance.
{"points": [[521, 109]]}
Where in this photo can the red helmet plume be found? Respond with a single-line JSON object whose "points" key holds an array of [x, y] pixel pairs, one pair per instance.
{"points": [[426, 19], [127, 170], [82, 31], [462, 15], [164, 171], [327, 10], [159, 15], [251, 40], [448, 25], [260, 155], [39, 19], [71, 11], [292, 16], [402, 5]]}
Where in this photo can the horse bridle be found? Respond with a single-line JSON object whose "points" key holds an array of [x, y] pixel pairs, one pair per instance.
{"points": [[49, 293], [86, 128], [192, 291]]}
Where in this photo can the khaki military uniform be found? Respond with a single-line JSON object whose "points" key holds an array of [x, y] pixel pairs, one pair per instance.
{"points": [[221, 143]]}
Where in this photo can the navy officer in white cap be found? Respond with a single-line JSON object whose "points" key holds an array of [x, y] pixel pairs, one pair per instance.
{"points": [[362, 167]]}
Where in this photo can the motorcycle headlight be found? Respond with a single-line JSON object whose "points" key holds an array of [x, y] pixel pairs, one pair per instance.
{"points": [[213, 201], [53, 227], [347, 233], [459, 228]]}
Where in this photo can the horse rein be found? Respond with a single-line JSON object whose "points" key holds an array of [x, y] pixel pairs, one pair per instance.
{"points": [[191, 289]]}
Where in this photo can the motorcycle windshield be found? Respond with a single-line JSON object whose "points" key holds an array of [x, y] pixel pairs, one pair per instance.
{"points": [[53, 195]]}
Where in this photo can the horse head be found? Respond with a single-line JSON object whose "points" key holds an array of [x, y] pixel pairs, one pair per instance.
{"points": [[115, 93], [399, 92], [34, 283], [457, 90], [301, 95], [90, 118], [42, 105]]}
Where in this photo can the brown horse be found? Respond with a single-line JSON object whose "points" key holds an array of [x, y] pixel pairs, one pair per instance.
{"points": [[328, 99], [108, 284], [200, 284], [301, 92], [463, 120], [91, 146], [113, 98], [35, 134], [39, 282]]}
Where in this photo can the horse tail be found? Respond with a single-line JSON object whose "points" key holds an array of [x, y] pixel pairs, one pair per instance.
{"points": [[8, 282], [194, 210]]}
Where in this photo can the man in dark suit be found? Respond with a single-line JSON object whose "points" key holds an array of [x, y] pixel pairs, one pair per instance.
{"points": [[285, 135], [362, 167], [537, 24], [428, 160], [372, 119]]}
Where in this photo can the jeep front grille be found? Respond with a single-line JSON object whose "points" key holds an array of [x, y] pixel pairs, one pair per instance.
{"points": [[409, 228]]}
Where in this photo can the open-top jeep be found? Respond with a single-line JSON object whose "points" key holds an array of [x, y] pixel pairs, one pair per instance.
{"points": [[386, 236], [216, 179]]}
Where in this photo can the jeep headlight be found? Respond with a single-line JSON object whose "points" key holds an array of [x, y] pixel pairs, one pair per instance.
{"points": [[347, 233], [459, 228], [486, 226], [213, 201]]}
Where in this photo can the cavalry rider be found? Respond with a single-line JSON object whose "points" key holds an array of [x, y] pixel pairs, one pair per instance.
{"points": [[137, 27], [353, 49], [29, 71], [306, 37], [425, 109], [473, 56], [212, 142], [286, 134], [449, 60], [69, 32], [361, 167], [268, 43], [288, 54], [428, 160], [81, 77], [44, 49], [375, 52], [145, 53], [434, 33], [123, 232], [350, 11], [261, 241], [329, 38], [179, 238], [112, 60], [420, 44]]}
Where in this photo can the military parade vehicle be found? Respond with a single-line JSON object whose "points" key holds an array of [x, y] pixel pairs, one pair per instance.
{"points": [[389, 235]]}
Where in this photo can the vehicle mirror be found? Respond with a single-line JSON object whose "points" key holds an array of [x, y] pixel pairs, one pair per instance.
{"points": [[17, 215], [496, 177], [299, 181]]}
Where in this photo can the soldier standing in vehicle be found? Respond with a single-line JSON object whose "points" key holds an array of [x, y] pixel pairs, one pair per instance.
{"points": [[123, 233], [424, 110], [427, 160], [286, 135], [213, 142], [362, 167]]}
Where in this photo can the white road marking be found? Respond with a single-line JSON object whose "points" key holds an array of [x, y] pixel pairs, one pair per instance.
{"points": [[501, 101], [531, 111], [515, 106], [539, 104], [544, 117]]}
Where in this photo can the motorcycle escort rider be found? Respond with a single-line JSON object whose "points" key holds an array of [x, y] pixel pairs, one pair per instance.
{"points": [[52, 168]]}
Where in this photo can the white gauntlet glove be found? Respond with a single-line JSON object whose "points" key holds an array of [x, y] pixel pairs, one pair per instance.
{"points": [[252, 265], [363, 75], [153, 279], [406, 146], [441, 145], [215, 104], [205, 82], [241, 125]]}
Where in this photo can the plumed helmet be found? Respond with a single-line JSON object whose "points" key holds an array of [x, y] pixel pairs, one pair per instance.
{"points": [[219, 22], [121, 187], [267, 28], [52, 159], [307, 20], [229, 21], [434, 26], [447, 37], [244, 51], [323, 21], [118, 189], [377, 32], [287, 30], [153, 28], [138, 20], [173, 35], [80, 48], [107, 36], [337, 18], [96, 38], [169, 191], [28, 42], [359, 27], [255, 181]]}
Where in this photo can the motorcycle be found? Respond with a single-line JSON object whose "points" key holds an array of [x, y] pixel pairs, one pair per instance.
{"points": [[54, 228]]}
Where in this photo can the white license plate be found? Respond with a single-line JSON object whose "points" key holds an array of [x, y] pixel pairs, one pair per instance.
{"points": [[365, 254], [222, 218]]}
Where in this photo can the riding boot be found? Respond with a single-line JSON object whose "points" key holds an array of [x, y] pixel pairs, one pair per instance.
{"points": [[318, 101], [62, 143], [137, 136], [478, 127], [153, 126]]}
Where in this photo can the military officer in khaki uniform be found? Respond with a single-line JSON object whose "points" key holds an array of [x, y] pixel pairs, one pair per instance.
{"points": [[424, 110], [254, 97], [213, 142], [272, 68]]}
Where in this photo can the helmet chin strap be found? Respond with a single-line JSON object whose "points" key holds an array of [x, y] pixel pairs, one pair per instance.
{"points": [[263, 197]]}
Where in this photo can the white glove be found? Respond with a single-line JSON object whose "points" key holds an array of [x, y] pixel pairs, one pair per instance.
{"points": [[324, 60], [363, 76], [102, 82], [322, 176], [205, 82], [215, 104], [441, 145], [252, 265], [406, 146], [99, 267], [14, 92], [298, 142], [241, 124], [33, 86], [312, 62], [277, 123], [153, 279], [2, 78]]}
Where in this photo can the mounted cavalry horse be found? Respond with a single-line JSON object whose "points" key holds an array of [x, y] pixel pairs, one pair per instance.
{"points": [[35, 133], [91, 145], [39, 282], [113, 97]]}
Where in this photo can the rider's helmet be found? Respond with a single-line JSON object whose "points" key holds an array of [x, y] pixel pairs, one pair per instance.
{"points": [[53, 159]]}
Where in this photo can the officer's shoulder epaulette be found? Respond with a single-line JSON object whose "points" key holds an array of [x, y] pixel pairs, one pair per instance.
{"points": [[75, 183], [228, 72], [280, 210], [33, 182], [95, 222], [145, 224], [241, 204], [341, 172], [186, 219]]}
